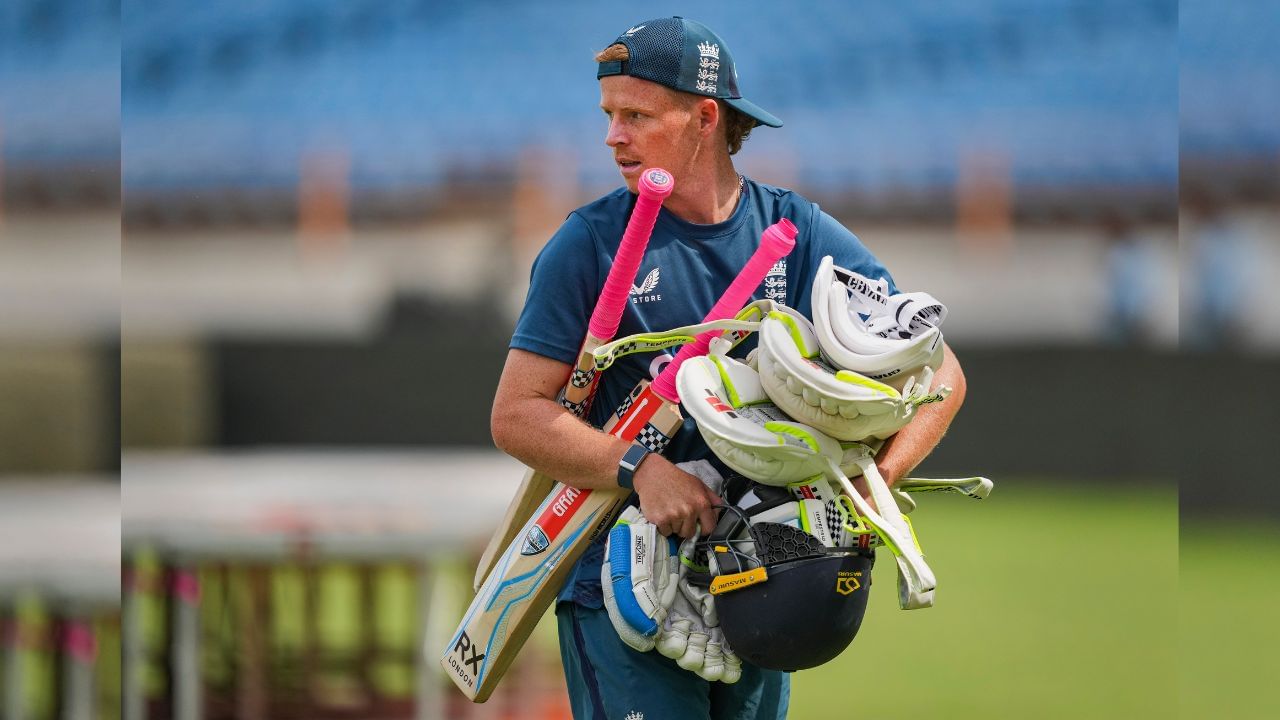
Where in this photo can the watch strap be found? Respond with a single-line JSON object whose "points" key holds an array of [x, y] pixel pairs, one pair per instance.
{"points": [[628, 465]]}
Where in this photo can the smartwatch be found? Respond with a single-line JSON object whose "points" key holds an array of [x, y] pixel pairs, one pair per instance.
{"points": [[629, 463]]}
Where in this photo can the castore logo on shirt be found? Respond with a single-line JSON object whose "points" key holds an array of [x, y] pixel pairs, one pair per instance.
{"points": [[643, 292]]}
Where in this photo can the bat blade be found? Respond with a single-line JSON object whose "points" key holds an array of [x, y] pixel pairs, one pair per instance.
{"points": [[530, 572], [534, 488]]}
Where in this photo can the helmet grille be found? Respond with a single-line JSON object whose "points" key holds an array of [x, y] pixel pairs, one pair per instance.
{"points": [[776, 542]]}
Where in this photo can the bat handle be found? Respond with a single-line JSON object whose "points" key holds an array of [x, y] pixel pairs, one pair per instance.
{"points": [[655, 185], [778, 240]]}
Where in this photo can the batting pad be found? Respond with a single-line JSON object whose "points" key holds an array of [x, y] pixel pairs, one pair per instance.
{"points": [[899, 337], [841, 403], [747, 431]]}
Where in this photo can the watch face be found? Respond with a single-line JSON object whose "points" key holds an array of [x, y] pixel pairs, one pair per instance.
{"points": [[627, 466], [633, 456]]}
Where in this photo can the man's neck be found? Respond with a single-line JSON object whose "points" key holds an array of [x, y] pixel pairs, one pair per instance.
{"points": [[709, 200]]}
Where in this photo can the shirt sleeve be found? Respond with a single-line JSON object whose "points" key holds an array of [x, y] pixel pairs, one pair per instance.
{"points": [[562, 288], [847, 251]]}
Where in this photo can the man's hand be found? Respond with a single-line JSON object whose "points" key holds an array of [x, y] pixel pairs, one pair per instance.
{"points": [[674, 500]]}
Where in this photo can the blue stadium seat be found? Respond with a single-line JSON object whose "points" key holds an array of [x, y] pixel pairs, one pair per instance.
{"points": [[1071, 91]]}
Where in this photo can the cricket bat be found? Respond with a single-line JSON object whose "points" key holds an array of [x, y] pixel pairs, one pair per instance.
{"points": [[655, 185], [529, 574]]}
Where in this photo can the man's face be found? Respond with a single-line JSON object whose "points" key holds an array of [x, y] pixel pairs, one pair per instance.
{"points": [[649, 126]]}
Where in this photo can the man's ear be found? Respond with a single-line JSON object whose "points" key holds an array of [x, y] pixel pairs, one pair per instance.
{"points": [[708, 112]]}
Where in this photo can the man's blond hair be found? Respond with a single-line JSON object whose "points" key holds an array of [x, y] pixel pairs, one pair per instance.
{"points": [[737, 125]]}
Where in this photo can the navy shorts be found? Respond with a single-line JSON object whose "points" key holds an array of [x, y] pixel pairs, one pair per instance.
{"points": [[610, 681]]}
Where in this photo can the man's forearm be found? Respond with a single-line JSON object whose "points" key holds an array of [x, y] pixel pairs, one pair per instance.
{"points": [[913, 443], [549, 439]]}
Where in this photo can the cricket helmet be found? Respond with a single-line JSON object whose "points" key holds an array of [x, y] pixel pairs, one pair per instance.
{"points": [[785, 601]]}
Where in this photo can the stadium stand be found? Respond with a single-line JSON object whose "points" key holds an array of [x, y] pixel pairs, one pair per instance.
{"points": [[60, 103], [57, 76], [875, 95]]}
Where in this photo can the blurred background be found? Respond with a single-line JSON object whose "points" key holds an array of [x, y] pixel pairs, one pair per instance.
{"points": [[257, 247], [59, 360]]}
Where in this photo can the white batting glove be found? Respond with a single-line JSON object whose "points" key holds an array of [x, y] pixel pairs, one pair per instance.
{"points": [[721, 663], [639, 576], [699, 598], [691, 635], [684, 636], [634, 639], [681, 623], [650, 604], [697, 647]]}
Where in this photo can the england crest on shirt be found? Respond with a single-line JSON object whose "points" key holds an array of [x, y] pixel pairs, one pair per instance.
{"points": [[775, 283]]}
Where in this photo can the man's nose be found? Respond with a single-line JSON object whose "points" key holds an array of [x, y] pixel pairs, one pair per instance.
{"points": [[615, 135]]}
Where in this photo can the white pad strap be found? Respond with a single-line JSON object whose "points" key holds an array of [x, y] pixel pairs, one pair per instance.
{"points": [[905, 315], [916, 580], [736, 330], [866, 296], [977, 488], [911, 314]]}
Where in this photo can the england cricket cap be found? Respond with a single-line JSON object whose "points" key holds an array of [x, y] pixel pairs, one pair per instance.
{"points": [[684, 55]]}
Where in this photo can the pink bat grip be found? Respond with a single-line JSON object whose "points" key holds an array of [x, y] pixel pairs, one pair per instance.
{"points": [[655, 185], [778, 240]]}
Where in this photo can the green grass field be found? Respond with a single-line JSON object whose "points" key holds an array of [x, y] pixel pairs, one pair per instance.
{"points": [[1052, 602], [1229, 583], [1055, 600]]}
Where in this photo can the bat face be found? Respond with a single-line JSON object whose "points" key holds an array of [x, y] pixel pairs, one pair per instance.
{"points": [[635, 420], [465, 659], [551, 524], [530, 572], [500, 614]]}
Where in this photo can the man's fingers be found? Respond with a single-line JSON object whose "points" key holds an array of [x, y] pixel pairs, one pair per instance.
{"points": [[687, 528], [707, 521], [682, 511]]}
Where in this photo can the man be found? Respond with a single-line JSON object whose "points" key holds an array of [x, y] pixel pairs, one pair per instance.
{"points": [[669, 92]]}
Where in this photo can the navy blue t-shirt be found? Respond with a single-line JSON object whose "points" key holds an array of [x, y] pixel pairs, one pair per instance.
{"points": [[686, 267]]}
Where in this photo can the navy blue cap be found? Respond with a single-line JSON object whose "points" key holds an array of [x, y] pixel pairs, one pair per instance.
{"points": [[684, 55]]}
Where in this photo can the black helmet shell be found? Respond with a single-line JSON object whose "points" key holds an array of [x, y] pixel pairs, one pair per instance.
{"points": [[805, 614]]}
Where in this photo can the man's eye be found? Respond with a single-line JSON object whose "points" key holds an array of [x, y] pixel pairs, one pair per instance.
{"points": [[636, 115]]}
